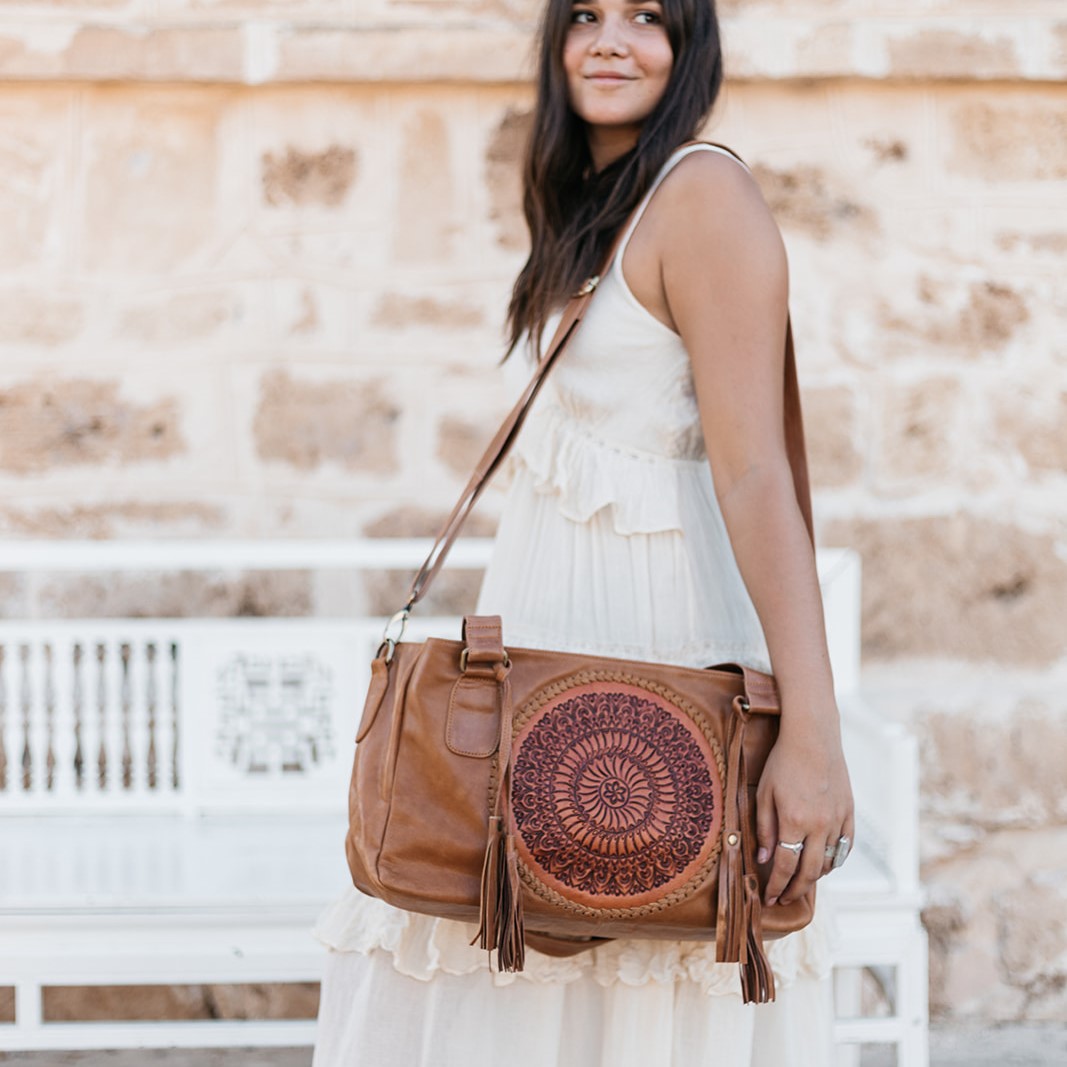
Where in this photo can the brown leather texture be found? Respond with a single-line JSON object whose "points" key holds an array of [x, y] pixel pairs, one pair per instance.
{"points": [[419, 803], [570, 798]]}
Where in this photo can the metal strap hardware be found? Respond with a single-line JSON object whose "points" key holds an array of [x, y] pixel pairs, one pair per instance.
{"points": [[506, 661]]}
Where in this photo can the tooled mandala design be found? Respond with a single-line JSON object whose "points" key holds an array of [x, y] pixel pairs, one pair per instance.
{"points": [[616, 792]]}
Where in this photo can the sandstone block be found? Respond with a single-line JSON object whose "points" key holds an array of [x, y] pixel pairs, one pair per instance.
{"points": [[300, 177], [454, 592], [1035, 425], [503, 178], [1014, 139], [34, 318], [1047, 243], [306, 424], [972, 319], [424, 221], [14, 596], [1033, 918], [277, 1000], [295, 317], [88, 1003], [176, 595], [993, 313], [987, 906], [944, 922], [950, 53], [485, 53], [830, 428], [959, 586], [181, 1002], [34, 157], [919, 428], [180, 317], [805, 199], [151, 159], [76, 421], [400, 311], [121, 518], [822, 51], [173, 53], [994, 772], [460, 444], [888, 149], [410, 520]]}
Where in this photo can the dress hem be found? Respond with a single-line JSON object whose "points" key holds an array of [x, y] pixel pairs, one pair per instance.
{"points": [[421, 946]]}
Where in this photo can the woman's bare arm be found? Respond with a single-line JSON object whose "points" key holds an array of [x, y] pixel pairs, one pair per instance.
{"points": [[725, 282]]}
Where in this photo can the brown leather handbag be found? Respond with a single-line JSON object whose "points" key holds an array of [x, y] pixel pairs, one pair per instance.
{"points": [[561, 799]]}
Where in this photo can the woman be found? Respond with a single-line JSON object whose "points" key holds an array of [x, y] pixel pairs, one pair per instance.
{"points": [[651, 516]]}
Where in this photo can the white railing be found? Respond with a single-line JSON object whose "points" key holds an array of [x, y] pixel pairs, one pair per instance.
{"points": [[88, 711]]}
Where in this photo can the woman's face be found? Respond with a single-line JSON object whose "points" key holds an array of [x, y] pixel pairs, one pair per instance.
{"points": [[618, 60]]}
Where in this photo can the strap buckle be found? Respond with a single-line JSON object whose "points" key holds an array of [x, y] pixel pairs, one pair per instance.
{"points": [[588, 286], [464, 655], [389, 642]]}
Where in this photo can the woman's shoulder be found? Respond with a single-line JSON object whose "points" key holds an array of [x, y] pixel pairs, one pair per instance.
{"points": [[712, 193], [704, 170]]}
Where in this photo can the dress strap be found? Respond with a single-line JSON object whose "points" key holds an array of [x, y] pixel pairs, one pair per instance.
{"points": [[673, 160]]}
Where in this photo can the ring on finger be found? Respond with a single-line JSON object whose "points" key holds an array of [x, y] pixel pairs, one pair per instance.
{"points": [[841, 851], [796, 847]]}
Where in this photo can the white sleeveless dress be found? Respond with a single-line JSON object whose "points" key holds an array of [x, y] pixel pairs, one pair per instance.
{"points": [[611, 542]]}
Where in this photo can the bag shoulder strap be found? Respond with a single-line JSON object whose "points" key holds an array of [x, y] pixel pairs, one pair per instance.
{"points": [[501, 443]]}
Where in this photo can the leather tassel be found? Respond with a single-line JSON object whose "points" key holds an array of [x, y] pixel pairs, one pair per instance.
{"points": [[730, 939], [757, 978], [739, 929], [729, 929], [510, 946], [500, 913], [501, 923], [490, 890]]}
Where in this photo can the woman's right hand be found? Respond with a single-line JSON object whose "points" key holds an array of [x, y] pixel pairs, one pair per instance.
{"points": [[804, 796]]}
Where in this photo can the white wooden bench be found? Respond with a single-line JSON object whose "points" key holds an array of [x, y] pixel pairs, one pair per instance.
{"points": [[172, 801]]}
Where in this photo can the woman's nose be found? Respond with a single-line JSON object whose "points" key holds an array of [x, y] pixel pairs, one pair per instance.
{"points": [[610, 40]]}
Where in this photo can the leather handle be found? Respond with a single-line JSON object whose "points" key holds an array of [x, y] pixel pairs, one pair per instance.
{"points": [[501, 443]]}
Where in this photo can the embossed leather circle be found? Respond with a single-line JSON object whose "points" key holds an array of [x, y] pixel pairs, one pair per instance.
{"points": [[617, 794]]}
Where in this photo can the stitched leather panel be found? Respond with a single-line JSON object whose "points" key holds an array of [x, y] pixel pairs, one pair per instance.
{"points": [[617, 794], [473, 726]]}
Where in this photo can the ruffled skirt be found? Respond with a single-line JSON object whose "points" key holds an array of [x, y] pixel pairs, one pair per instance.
{"points": [[416, 994]]}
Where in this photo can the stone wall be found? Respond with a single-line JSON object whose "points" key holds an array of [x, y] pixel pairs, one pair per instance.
{"points": [[253, 258]]}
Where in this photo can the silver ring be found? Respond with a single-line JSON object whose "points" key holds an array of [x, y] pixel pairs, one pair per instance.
{"points": [[830, 851], [841, 851], [796, 848]]}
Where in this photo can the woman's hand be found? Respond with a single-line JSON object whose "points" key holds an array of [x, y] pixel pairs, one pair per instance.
{"points": [[804, 796]]}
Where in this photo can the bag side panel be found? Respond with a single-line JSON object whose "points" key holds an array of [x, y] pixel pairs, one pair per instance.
{"points": [[435, 839], [368, 802]]}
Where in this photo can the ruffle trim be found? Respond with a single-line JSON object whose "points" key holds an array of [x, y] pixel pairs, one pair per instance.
{"points": [[422, 946], [644, 490]]}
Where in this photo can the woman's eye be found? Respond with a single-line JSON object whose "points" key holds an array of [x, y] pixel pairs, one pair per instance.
{"points": [[584, 18], [648, 18]]}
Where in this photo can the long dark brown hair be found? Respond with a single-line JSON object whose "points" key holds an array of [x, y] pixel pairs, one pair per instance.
{"points": [[573, 212]]}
